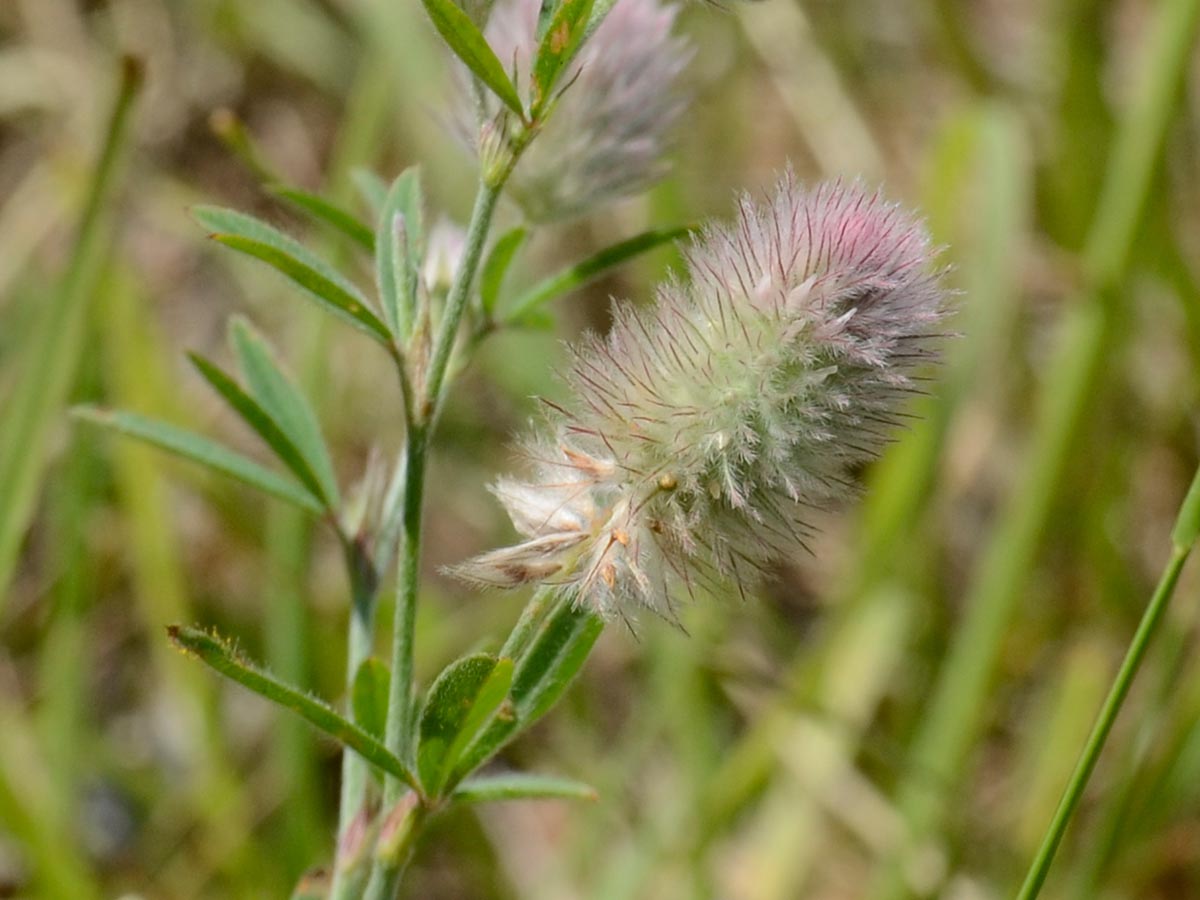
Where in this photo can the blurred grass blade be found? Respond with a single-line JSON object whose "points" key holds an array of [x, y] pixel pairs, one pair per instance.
{"points": [[371, 188], [57, 340], [263, 424], [521, 786], [221, 656], [282, 400], [57, 866], [203, 451], [952, 717], [469, 45], [557, 47], [815, 751], [327, 213], [1183, 539], [136, 375], [1187, 523], [401, 242], [495, 267], [317, 278], [231, 131], [594, 266]]}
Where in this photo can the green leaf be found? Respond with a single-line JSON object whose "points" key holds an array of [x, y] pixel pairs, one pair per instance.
{"points": [[1187, 522], [521, 786], [371, 188], [469, 45], [553, 660], [545, 13], [370, 696], [401, 249], [558, 47], [550, 661], [324, 284], [538, 320], [495, 267], [460, 702], [261, 422], [203, 451], [221, 656], [489, 704], [283, 401], [327, 213], [581, 273]]}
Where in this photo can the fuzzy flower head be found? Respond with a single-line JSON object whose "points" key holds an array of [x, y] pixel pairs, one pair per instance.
{"points": [[705, 429], [609, 132]]}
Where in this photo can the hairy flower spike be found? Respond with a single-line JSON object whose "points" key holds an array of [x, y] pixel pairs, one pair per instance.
{"points": [[607, 136], [705, 429]]}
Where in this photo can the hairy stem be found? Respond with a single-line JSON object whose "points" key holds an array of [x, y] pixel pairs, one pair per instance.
{"points": [[355, 773], [456, 300], [397, 737], [389, 867]]}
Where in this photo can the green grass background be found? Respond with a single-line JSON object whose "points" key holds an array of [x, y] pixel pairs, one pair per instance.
{"points": [[895, 715]]}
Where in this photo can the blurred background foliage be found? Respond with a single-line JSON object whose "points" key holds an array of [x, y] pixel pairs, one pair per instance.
{"points": [[895, 715]]}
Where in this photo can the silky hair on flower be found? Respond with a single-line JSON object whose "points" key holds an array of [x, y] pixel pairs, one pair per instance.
{"points": [[703, 430]]}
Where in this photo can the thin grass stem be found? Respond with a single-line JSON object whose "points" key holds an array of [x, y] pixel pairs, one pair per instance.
{"points": [[953, 718], [1181, 548], [58, 337]]}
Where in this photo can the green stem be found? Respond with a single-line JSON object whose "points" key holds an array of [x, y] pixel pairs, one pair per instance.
{"points": [[355, 771], [1183, 538], [1104, 723], [400, 694], [359, 133], [389, 867], [456, 301], [397, 840]]}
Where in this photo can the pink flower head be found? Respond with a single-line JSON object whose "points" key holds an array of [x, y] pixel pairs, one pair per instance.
{"points": [[609, 133], [706, 428]]}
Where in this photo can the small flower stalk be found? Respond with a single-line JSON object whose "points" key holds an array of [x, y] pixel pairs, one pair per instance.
{"points": [[610, 130], [704, 430]]}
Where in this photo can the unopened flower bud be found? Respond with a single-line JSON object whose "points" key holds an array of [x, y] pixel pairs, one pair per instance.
{"points": [[495, 151], [443, 255], [400, 826]]}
